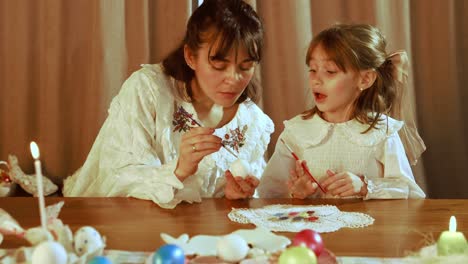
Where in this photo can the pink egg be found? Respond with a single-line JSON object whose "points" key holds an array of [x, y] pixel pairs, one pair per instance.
{"points": [[311, 239]]}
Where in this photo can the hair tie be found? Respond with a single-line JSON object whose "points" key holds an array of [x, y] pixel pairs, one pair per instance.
{"points": [[400, 62]]}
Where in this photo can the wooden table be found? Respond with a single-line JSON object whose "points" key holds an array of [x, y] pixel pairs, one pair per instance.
{"points": [[135, 225]]}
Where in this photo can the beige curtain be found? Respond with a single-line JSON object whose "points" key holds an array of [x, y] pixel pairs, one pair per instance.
{"points": [[440, 55], [61, 62]]}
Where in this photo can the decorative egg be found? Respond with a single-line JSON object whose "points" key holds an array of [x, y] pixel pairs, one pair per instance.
{"points": [[240, 168], [49, 252], [232, 248], [87, 240], [169, 254], [99, 260], [309, 238], [297, 255], [208, 260]]}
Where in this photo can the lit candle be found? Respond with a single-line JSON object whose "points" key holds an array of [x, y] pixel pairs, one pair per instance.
{"points": [[451, 242], [40, 194]]}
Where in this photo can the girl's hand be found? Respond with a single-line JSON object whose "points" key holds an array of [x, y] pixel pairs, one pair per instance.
{"points": [[299, 184], [194, 146], [344, 184], [238, 187]]}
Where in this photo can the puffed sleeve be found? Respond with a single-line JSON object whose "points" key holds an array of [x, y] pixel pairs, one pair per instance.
{"points": [[398, 180], [273, 183], [123, 160], [257, 159]]}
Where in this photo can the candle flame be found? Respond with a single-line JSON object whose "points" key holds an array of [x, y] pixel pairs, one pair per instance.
{"points": [[34, 150], [453, 224]]}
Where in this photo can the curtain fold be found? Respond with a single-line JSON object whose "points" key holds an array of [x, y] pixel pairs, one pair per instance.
{"points": [[61, 63], [19, 56], [284, 74], [437, 46], [393, 18]]}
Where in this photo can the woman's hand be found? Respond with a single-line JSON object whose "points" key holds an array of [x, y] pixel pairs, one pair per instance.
{"points": [[194, 146], [299, 184], [238, 187], [344, 184]]}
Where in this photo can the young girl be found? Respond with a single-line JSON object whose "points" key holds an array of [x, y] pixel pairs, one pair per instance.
{"points": [[347, 141], [157, 143]]}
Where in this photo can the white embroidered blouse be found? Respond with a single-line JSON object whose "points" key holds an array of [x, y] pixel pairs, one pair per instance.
{"points": [[378, 155], [136, 151]]}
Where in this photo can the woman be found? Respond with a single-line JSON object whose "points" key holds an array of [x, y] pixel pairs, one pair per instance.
{"points": [[156, 143]]}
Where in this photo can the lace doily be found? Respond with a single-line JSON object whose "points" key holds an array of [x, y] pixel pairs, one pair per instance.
{"points": [[293, 218]]}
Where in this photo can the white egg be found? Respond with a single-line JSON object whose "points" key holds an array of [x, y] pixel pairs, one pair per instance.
{"points": [[214, 116], [232, 248], [49, 252], [87, 240], [240, 168]]}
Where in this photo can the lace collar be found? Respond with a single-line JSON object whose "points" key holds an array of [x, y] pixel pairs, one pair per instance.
{"points": [[314, 131]]}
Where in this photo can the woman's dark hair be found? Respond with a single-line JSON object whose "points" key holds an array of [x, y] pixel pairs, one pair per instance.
{"points": [[225, 24], [359, 47]]}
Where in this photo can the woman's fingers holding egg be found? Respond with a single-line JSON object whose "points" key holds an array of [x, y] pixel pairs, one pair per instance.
{"points": [[247, 186], [232, 190], [243, 184], [252, 180]]}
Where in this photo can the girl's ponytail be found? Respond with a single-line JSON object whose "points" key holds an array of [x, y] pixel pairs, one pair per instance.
{"points": [[401, 107]]}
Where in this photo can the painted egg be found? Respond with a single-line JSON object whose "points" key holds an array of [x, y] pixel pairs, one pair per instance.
{"points": [[99, 260], [297, 255], [169, 254], [240, 168], [49, 252], [232, 248], [87, 240], [309, 238]]}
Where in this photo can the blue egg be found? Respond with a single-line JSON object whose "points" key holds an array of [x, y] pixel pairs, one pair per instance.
{"points": [[100, 260], [169, 254]]}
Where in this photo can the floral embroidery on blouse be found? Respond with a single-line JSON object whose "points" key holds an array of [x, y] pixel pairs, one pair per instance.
{"points": [[183, 120], [235, 138], [295, 216]]}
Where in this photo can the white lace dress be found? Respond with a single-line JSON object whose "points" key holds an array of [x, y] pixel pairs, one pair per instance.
{"points": [[378, 155], [136, 151]]}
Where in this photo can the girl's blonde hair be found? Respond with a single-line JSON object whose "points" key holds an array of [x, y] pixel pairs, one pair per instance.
{"points": [[359, 47]]}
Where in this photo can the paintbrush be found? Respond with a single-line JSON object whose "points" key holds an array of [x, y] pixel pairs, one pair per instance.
{"points": [[303, 166], [224, 146]]}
